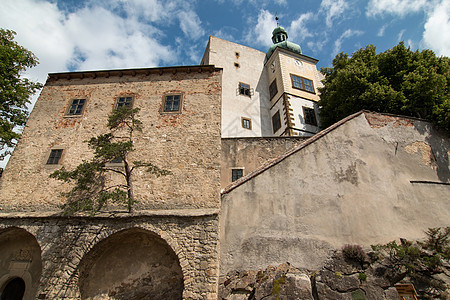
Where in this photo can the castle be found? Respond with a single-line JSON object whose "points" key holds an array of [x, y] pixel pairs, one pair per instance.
{"points": [[253, 180]]}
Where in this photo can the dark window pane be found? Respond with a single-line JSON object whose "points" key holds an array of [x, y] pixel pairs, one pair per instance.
{"points": [[310, 116], [244, 89], [124, 101], [236, 174], [276, 121], [172, 103], [273, 90], [76, 108], [54, 157]]}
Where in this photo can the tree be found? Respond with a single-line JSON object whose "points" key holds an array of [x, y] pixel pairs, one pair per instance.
{"points": [[15, 91], [397, 81], [91, 190]]}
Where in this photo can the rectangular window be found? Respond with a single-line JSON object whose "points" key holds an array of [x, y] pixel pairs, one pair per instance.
{"points": [[273, 89], [55, 156], [276, 121], [310, 116], [76, 108], [244, 89], [172, 103], [236, 174], [302, 83], [124, 102], [246, 123]]}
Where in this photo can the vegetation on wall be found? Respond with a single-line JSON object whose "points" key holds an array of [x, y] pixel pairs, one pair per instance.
{"points": [[92, 191], [15, 91], [398, 81], [419, 262]]}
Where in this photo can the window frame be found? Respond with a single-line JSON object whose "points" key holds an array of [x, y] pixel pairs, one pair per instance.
{"points": [[71, 105], [236, 177], [302, 85], [180, 104], [116, 105], [243, 120], [242, 87], [279, 121], [273, 93], [55, 159], [309, 113]]}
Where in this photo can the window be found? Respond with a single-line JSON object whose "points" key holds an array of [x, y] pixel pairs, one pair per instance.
{"points": [[246, 123], [117, 160], [276, 121], [236, 65], [55, 156], [302, 83], [172, 103], [236, 174], [124, 102], [310, 116], [273, 90], [244, 89], [76, 108]]}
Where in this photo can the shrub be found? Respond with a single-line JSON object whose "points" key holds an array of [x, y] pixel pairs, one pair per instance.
{"points": [[354, 252]]}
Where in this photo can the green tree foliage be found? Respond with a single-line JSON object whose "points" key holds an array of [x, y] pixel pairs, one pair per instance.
{"points": [[15, 91], [91, 190], [397, 81], [421, 262]]}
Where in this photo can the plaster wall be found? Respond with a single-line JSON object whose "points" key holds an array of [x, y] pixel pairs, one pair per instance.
{"points": [[369, 180], [246, 65], [187, 144], [298, 117], [250, 153]]}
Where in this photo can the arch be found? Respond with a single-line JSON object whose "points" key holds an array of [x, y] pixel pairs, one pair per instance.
{"points": [[20, 261], [131, 264], [14, 289]]}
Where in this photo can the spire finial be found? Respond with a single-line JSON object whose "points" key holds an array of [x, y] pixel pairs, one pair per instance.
{"points": [[276, 18]]}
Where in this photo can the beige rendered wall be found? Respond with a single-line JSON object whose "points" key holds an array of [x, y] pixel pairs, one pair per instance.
{"points": [[251, 153], [250, 70], [372, 179], [188, 144]]}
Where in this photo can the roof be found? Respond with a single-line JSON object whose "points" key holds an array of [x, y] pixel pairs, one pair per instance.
{"points": [[132, 72]]}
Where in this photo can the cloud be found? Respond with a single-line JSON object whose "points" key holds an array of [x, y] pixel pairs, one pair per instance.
{"points": [[382, 30], [333, 9], [297, 30], [190, 24], [400, 35], [347, 34], [395, 7], [436, 35], [261, 34]]}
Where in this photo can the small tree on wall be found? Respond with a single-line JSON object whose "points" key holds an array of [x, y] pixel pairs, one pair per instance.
{"points": [[91, 191]]}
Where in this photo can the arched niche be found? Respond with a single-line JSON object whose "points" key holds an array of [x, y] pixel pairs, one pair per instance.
{"points": [[20, 264], [131, 264]]}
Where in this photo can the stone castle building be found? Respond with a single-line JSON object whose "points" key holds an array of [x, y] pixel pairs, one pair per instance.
{"points": [[253, 180]]}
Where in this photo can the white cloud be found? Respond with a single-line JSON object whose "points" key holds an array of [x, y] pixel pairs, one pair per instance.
{"points": [[298, 30], [261, 34], [396, 7], [333, 9], [347, 34], [400, 35], [190, 24], [382, 30], [437, 29]]}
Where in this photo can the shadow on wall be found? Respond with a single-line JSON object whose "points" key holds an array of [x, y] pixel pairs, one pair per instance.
{"points": [[439, 144], [131, 264], [20, 264]]}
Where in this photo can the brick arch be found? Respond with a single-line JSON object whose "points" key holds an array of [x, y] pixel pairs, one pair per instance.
{"points": [[20, 257], [146, 265]]}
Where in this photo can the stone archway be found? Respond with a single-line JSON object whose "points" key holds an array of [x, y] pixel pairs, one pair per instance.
{"points": [[131, 264], [20, 264]]}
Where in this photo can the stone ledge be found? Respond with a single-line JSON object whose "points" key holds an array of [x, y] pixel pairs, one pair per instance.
{"points": [[114, 214]]}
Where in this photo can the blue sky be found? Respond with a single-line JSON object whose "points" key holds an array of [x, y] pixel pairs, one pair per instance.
{"points": [[69, 35], [72, 35]]}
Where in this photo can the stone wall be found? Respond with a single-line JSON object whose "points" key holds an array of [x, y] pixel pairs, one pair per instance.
{"points": [[188, 143], [66, 243]]}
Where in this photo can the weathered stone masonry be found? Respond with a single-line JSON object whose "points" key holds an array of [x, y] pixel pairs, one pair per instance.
{"points": [[65, 242]]}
